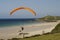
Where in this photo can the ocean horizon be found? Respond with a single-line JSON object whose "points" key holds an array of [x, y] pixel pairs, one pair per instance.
{"points": [[16, 22]]}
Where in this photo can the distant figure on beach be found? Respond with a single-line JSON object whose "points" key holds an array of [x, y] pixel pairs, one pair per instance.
{"points": [[22, 28]]}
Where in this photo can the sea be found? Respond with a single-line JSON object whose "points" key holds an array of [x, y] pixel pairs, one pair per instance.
{"points": [[16, 22]]}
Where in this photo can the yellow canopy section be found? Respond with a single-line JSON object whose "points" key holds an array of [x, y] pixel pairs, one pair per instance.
{"points": [[25, 8]]}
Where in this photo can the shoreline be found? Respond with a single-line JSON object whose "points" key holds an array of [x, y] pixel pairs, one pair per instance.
{"points": [[11, 32]]}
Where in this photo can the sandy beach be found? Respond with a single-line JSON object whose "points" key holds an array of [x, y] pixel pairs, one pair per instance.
{"points": [[13, 32]]}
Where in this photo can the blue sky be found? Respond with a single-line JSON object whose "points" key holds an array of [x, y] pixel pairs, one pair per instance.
{"points": [[41, 7]]}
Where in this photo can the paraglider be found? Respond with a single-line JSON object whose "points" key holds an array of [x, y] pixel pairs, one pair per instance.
{"points": [[25, 8]]}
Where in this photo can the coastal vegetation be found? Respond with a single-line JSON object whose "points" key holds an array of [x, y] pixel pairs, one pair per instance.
{"points": [[56, 29], [49, 18], [55, 36]]}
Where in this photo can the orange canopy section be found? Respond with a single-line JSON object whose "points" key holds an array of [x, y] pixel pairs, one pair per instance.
{"points": [[25, 8]]}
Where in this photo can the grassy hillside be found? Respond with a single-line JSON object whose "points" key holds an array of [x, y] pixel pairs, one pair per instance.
{"points": [[57, 29], [50, 18], [55, 36]]}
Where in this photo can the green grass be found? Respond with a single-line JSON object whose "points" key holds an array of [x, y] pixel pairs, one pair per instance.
{"points": [[46, 37], [55, 36], [50, 18], [57, 29]]}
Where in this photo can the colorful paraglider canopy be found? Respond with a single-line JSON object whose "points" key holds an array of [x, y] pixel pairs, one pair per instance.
{"points": [[25, 8]]}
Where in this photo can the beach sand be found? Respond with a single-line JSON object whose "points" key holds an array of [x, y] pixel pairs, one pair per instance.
{"points": [[33, 29]]}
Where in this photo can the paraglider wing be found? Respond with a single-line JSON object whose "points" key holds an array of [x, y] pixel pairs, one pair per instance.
{"points": [[25, 8]]}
